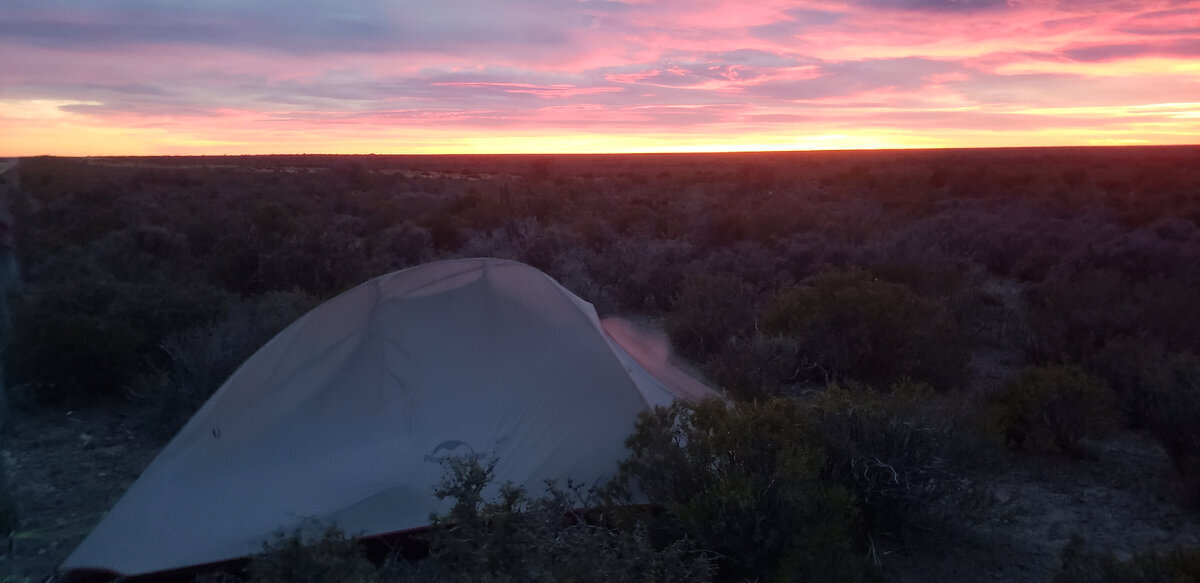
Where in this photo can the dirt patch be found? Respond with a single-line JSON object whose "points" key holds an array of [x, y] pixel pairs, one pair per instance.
{"points": [[1126, 500], [66, 470]]}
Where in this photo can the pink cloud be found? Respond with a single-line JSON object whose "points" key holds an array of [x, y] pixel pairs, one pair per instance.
{"points": [[543, 91]]}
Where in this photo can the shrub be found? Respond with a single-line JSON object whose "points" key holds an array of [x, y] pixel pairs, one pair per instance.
{"points": [[906, 456], [1061, 404], [1171, 406], [514, 537], [1075, 318], [201, 358], [88, 341], [74, 358], [758, 366], [852, 326], [217, 577], [646, 274], [401, 246], [139, 254], [1161, 391], [745, 482], [511, 537], [234, 263], [1074, 177], [1081, 565], [709, 312], [9, 518], [1126, 365], [328, 557]]}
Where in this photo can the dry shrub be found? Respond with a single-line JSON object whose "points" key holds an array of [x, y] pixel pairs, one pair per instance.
{"points": [[1080, 564], [513, 536], [745, 482], [312, 556], [908, 456], [200, 359], [1057, 404], [852, 326]]}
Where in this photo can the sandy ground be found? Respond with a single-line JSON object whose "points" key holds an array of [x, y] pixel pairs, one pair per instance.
{"points": [[1126, 501], [66, 471]]}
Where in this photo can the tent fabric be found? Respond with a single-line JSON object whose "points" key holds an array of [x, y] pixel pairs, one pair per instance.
{"points": [[346, 415]]}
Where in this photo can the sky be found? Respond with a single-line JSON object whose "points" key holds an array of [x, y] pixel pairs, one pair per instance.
{"points": [[154, 77]]}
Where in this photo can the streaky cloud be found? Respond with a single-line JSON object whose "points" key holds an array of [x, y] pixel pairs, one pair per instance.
{"points": [[1188, 48], [936, 5]]}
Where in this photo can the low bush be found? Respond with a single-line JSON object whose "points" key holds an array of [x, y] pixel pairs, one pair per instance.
{"points": [[1129, 367], [1171, 406], [710, 312], [90, 340], [1161, 392], [514, 537], [9, 518], [1082, 565], [1057, 404], [328, 556], [1074, 318], [200, 359], [401, 246], [74, 358], [745, 482], [907, 456], [759, 366], [852, 326], [510, 537]]}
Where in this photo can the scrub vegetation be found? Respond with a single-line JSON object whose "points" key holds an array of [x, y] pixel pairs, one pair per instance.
{"points": [[911, 342]]}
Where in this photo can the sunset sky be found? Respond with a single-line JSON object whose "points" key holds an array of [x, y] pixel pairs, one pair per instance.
{"points": [[101, 77]]}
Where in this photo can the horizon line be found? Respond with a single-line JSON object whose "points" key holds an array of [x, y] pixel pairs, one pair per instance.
{"points": [[622, 153]]}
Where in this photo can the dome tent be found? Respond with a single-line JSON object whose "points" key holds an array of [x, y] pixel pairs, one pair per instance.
{"points": [[346, 414]]}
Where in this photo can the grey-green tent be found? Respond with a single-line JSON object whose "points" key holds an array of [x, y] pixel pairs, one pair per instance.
{"points": [[345, 416]]}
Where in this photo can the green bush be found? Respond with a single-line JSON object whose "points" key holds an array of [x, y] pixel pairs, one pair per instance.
{"points": [[745, 482], [9, 518], [1074, 318], [139, 254], [756, 367], [851, 326], [75, 358], [508, 538], [201, 358], [328, 557], [1058, 404], [1080, 565], [88, 341], [1161, 392], [514, 537], [1170, 405], [907, 457], [1130, 367], [217, 577], [709, 312]]}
